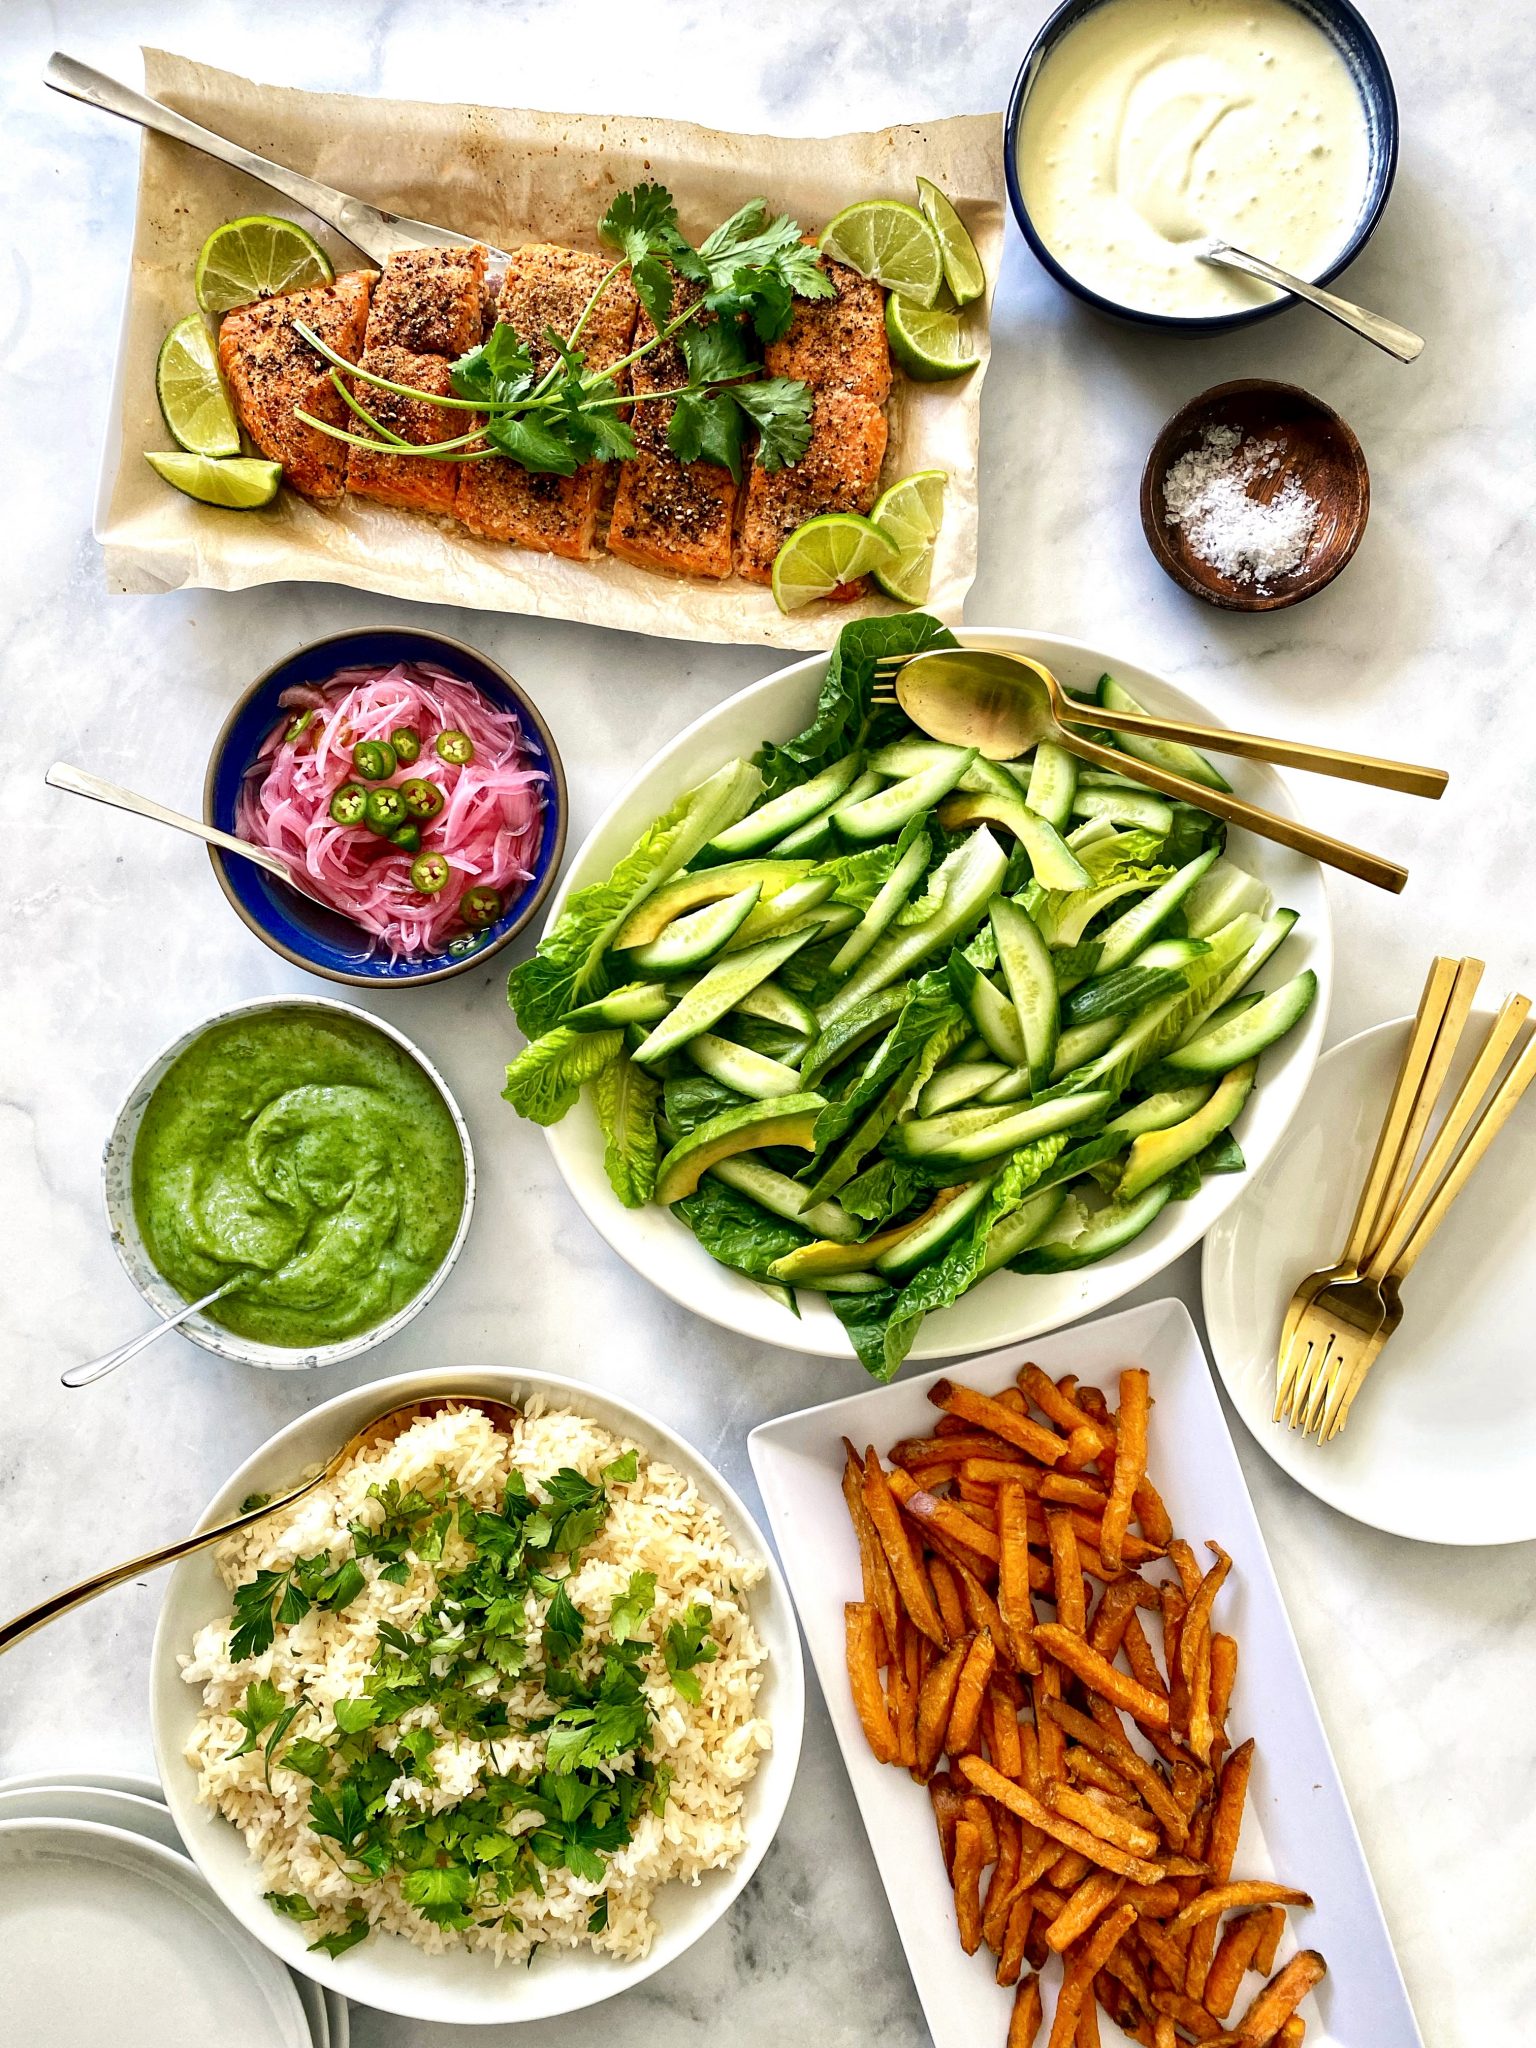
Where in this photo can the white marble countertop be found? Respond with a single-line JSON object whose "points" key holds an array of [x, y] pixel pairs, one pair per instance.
{"points": [[116, 939]]}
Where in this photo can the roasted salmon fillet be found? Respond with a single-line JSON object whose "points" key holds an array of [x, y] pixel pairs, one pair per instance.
{"points": [[430, 301], [547, 286], [839, 472], [408, 480], [837, 344], [270, 371]]}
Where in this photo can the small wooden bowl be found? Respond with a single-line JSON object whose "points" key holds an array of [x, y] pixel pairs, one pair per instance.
{"points": [[1316, 447]]}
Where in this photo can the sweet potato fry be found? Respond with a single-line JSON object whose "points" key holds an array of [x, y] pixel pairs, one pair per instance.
{"points": [[986, 1413], [1063, 1877], [1066, 1572], [967, 1883], [951, 1449], [1189, 2013], [1130, 1462], [979, 1812], [1273, 1918], [904, 1718], [1223, 1898], [1076, 1985], [932, 1510], [1187, 1565], [1156, 1524], [1000, 1886], [1162, 1948], [991, 1782], [1005, 1464], [1069, 1489], [1106, 1938], [1102, 1677], [1087, 2035], [935, 1703], [1195, 1653], [980, 1608], [879, 1586], [930, 1478], [946, 1595], [1093, 1896], [864, 1678], [1053, 1749], [1088, 1769], [1234, 1957], [911, 1584], [1002, 1727], [1227, 1819], [970, 1691], [1014, 1601], [1139, 1655], [1165, 2035], [1055, 1399], [1280, 1998], [1223, 1679], [1010, 1960], [1103, 1821], [1025, 2020], [948, 1801], [1293, 2033], [1156, 1901], [1111, 1618]]}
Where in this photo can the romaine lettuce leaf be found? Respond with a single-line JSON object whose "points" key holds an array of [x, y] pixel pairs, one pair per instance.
{"points": [[843, 710], [546, 1078], [692, 1099], [734, 1230], [625, 1098], [928, 1015], [882, 1191]]}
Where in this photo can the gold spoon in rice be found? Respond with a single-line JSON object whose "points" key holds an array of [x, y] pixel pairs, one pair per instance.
{"points": [[381, 1430]]}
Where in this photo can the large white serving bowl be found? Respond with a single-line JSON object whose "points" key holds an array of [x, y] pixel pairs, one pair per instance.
{"points": [[1008, 1307], [386, 1971]]}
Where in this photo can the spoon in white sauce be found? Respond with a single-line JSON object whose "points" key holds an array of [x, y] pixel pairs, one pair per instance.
{"points": [[1401, 342]]}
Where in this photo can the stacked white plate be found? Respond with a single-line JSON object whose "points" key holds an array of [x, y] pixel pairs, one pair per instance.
{"points": [[112, 1937]]}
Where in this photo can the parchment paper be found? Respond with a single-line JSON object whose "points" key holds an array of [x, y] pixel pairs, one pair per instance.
{"points": [[510, 177]]}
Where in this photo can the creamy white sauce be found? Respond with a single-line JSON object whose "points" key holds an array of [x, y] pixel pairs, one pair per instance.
{"points": [[1155, 125]]}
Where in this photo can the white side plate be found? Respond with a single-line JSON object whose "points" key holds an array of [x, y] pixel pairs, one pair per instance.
{"points": [[1298, 1822]]}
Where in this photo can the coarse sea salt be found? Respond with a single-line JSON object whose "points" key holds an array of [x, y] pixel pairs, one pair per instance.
{"points": [[1209, 492]]}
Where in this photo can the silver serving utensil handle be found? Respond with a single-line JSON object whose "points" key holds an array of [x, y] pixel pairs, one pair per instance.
{"points": [[378, 234], [1401, 342], [78, 783], [98, 1368]]}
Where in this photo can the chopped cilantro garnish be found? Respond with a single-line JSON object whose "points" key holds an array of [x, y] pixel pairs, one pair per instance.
{"points": [[687, 1644]]}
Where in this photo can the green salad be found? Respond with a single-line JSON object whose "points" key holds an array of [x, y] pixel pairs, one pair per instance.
{"points": [[876, 1017]]}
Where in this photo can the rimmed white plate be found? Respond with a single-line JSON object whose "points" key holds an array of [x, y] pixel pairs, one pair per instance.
{"points": [[1297, 1823], [389, 1972], [112, 1941], [1009, 1306], [1441, 1442]]}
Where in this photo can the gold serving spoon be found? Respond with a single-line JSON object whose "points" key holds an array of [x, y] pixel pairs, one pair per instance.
{"points": [[1003, 704], [373, 1435]]}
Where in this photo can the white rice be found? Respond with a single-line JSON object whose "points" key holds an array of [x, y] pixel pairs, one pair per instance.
{"points": [[659, 1523]]}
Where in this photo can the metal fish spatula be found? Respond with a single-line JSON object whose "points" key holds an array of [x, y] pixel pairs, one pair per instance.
{"points": [[377, 233]]}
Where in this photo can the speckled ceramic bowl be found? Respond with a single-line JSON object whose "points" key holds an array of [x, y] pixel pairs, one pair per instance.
{"points": [[117, 1191]]}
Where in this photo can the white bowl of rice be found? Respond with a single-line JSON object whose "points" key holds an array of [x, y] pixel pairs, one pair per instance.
{"points": [[448, 1929]]}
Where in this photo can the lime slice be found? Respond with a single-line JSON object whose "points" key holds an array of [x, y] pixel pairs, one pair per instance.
{"points": [[928, 342], [191, 393], [890, 242], [962, 266], [257, 257], [910, 513], [824, 553], [240, 483]]}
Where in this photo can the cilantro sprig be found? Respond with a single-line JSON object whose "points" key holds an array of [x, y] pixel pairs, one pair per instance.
{"points": [[718, 304]]}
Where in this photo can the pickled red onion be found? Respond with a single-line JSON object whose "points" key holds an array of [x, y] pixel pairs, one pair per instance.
{"points": [[488, 829]]}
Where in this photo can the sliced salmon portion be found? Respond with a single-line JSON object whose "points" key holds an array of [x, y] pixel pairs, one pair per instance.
{"points": [[837, 344], [270, 372], [839, 472], [411, 481], [548, 286], [430, 301]]}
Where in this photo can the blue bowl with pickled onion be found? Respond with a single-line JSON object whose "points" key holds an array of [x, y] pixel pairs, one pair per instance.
{"points": [[413, 785]]}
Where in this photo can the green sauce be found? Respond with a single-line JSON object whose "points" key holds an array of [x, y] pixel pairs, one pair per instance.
{"points": [[309, 1153]]}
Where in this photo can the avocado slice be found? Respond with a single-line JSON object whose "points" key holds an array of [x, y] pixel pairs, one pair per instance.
{"points": [[786, 1120], [687, 892], [815, 1261], [1156, 1153], [1054, 863]]}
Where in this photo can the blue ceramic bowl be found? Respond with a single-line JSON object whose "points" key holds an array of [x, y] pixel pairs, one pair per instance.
{"points": [[1347, 30], [305, 933]]}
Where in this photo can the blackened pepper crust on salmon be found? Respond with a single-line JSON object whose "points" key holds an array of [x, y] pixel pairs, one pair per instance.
{"points": [[411, 481], [839, 472], [270, 372], [430, 301], [837, 344]]}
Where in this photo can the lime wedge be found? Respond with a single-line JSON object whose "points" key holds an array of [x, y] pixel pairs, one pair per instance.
{"points": [[191, 394], [257, 257], [910, 513], [240, 483], [890, 242], [928, 342], [826, 552], [962, 266]]}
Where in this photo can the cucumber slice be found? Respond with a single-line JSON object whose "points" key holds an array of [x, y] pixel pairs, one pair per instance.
{"points": [[781, 814], [749, 1073], [1131, 931], [781, 1196], [882, 816], [816, 836], [968, 1135], [891, 898], [846, 1283], [1158, 1112], [786, 910], [640, 1002], [911, 757], [1025, 959], [778, 1005], [1081, 1042], [860, 1024], [1107, 778], [932, 1232], [1156, 1153], [687, 892], [1169, 754], [1053, 779], [962, 1082], [1080, 1236], [996, 1019], [721, 989], [1270, 936], [1011, 1233], [1226, 1045], [694, 940], [1051, 860], [1170, 953], [1158, 1028], [1225, 891], [1135, 807], [1089, 833], [972, 883]]}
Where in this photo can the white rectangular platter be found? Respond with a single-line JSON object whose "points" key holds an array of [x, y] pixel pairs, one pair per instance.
{"points": [[1298, 1824]]}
